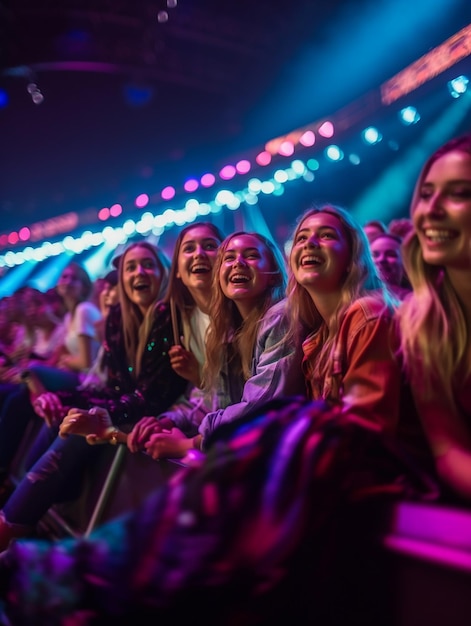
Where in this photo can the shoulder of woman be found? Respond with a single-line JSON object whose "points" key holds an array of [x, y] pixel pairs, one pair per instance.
{"points": [[276, 312], [370, 307]]}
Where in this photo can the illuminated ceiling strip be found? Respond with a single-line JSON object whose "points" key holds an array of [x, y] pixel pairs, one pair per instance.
{"points": [[428, 66]]}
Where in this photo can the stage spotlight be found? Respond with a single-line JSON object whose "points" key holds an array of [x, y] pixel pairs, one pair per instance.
{"points": [[458, 86], [409, 115], [371, 135]]}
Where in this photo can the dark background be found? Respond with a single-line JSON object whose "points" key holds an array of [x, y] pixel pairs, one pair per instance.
{"points": [[132, 103]]}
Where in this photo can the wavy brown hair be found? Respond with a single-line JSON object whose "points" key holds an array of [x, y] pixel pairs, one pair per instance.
{"points": [[176, 289], [136, 327], [229, 336], [361, 280]]}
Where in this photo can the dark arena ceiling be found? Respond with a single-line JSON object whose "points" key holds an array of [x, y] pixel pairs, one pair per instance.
{"points": [[101, 100]]}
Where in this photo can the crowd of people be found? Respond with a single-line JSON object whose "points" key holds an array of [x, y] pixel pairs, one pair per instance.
{"points": [[287, 387]]}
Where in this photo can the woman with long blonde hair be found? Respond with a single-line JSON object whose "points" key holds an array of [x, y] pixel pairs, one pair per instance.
{"points": [[335, 291], [435, 322], [189, 297], [250, 359], [140, 380]]}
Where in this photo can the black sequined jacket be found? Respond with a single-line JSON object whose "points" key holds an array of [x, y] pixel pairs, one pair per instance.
{"points": [[126, 398]]}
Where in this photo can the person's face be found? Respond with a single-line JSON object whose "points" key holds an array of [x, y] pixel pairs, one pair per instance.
{"points": [[386, 253], [442, 214], [246, 272], [70, 284], [321, 254], [198, 251], [109, 296], [142, 277]]}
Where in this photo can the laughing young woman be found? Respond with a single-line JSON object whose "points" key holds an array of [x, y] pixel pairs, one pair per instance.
{"points": [[336, 292], [189, 289], [140, 379], [249, 357], [435, 323], [189, 294]]}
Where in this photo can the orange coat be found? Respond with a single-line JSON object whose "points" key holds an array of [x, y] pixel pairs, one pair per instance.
{"points": [[364, 374]]}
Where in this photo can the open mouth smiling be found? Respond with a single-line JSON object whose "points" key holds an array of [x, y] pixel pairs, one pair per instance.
{"points": [[439, 234], [200, 268], [141, 286], [311, 260], [239, 279]]}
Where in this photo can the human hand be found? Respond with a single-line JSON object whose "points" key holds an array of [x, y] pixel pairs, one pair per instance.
{"points": [[143, 429], [95, 425], [185, 364], [171, 444], [48, 406]]}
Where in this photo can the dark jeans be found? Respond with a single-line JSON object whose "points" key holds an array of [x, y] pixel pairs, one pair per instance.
{"points": [[56, 476]]}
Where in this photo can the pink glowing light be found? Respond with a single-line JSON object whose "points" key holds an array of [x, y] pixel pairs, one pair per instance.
{"points": [[307, 139], [103, 214], [13, 238], [191, 185], [207, 180], [168, 193], [263, 158], [326, 129], [243, 166], [115, 210], [286, 148], [227, 172], [24, 233], [141, 201]]}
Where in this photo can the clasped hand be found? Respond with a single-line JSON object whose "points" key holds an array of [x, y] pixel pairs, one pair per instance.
{"points": [[95, 424]]}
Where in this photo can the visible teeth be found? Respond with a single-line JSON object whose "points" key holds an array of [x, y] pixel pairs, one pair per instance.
{"points": [[196, 269], [438, 235], [239, 278], [310, 260]]}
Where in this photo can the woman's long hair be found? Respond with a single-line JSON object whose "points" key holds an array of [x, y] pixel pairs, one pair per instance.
{"points": [[362, 279], [433, 330], [136, 327], [176, 290], [228, 332]]}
